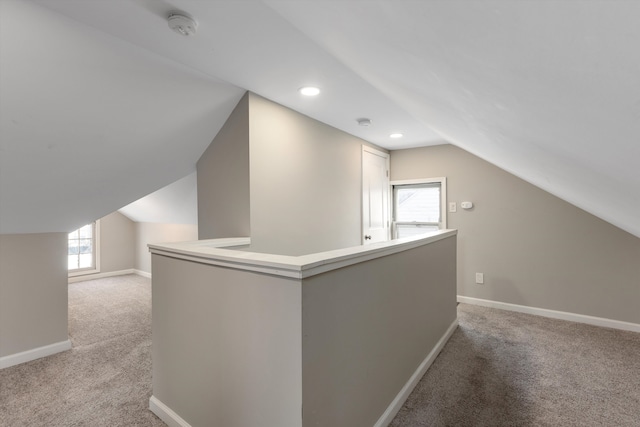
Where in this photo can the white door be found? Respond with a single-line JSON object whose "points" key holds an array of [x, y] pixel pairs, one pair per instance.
{"points": [[375, 196]]}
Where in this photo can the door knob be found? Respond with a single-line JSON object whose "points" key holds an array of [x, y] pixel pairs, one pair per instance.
{"points": [[367, 237]]}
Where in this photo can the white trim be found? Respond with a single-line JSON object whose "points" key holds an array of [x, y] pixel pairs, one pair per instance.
{"points": [[387, 157], [101, 275], [87, 272], [397, 403], [97, 244], [166, 414], [33, 354], [142, 273], [553, 314], [96, 256], [213, 252], [375, 151], [443, 193]]}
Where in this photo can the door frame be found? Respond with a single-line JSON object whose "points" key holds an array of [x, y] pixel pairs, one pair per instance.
{"points": [[386, 156]]}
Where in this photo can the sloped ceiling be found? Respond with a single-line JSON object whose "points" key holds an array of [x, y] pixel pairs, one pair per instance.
{"points": [[101, 103], [177, 203]]}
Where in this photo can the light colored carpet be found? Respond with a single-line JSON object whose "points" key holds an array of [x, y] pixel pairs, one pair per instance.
{"points": [[105, 380], [499, 369], [510, 369]]}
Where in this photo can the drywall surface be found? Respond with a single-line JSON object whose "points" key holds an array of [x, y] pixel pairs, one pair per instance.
{"points": [[367, 327], [226, 345], [146, 232], [117, 243], [177, 203], [240, 341], [291, 183], [223, 179], [305, 182], [533, 248], [132, 121], [33, 291]]}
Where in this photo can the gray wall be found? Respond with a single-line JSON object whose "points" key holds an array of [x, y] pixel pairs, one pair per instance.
{"points": [[146, 232], [33, 291], [533, 248], [305, 182], [290, 182], [223, 179], [368, 327], [117, 243], [226, 345], [241, 348]]}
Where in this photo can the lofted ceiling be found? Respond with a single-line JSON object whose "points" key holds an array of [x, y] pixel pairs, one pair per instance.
{"points": [[177, 203], [101, 103]]}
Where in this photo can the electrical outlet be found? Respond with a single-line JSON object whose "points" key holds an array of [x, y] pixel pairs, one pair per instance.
{"points": [[480, 278], [452, 207]]}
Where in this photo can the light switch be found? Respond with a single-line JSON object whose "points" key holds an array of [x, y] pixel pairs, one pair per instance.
{"points": [[452, 207]]}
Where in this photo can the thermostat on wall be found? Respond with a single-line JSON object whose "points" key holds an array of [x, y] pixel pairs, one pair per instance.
{"points": [[466, 205]]}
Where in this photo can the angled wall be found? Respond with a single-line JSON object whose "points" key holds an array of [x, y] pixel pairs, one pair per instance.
{"points": [[534, 249], [223, 179]]}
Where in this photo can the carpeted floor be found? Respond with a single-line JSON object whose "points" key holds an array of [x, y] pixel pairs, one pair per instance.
{"points": [[105, 380], [498, 369], [509, 369]]}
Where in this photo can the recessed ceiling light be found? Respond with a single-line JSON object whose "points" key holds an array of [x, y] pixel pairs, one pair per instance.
{"points": [[309, 91], [395, 135]]}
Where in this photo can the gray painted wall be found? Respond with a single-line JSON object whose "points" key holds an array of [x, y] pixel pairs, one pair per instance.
{"points": [[533, 248], [117, 243], [240, 348], [146, 232], [290, 182], [368, 327], [223, 179], [33, 291], [226, 345], [305, 182]]}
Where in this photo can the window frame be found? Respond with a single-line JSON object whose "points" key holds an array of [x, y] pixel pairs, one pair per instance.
{"points": [[96, 254], [442, 224]]}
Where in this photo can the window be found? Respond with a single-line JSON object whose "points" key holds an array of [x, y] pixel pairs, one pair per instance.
{"points": [[418, 206], [82, 255]]}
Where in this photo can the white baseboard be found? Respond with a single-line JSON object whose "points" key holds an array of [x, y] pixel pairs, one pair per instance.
{"points": [[397, 403], [142, 273], [33, 354], [166, 414], [553, 314], [174, 420], [86, 277]]}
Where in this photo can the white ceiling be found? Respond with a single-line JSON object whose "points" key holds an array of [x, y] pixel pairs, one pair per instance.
{"points": [[177, 203], [101, 103]]}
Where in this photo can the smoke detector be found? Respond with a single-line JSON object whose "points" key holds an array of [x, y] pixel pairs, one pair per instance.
{"points": [[182, 24]]}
